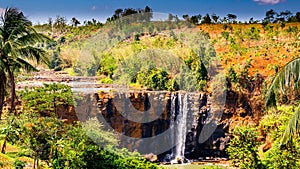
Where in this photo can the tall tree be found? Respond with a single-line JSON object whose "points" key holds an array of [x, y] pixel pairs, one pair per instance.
{"points": [[206, 19], [129, 11], [18, 44], [270, 16], [118, 12], [186, 17], [215, 18], [75, 22], [283, 16], [60, 23], [286, 80], [251, 20], [194, 20], [148, 14], [148, 9], [231, 17], [297, 16]]}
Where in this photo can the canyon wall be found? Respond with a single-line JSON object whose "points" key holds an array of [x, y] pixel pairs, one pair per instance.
{"points": [[123, 112]]}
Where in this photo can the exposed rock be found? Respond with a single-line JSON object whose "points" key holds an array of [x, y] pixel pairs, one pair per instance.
{"points": [[151, 157], [152, 103]]}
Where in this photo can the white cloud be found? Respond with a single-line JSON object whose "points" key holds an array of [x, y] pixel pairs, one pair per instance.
{"points": [[272, 2]]}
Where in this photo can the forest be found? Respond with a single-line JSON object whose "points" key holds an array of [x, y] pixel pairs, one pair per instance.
{"points": [[251, 69]]}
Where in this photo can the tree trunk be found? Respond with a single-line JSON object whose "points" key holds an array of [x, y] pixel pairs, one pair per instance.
{"points": [[12, 91], [34, 162], [2, 91], [1, 102], [37, 162], [3, 150]]}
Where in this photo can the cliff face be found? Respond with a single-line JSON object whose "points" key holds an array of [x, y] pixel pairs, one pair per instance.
{"points": [[145, 114]]}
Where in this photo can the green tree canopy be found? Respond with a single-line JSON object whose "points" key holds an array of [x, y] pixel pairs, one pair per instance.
{"points": [[18, 45]]}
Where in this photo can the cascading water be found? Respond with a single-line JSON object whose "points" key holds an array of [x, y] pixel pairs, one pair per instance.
{"points": [[180, 127], [172, 119]]}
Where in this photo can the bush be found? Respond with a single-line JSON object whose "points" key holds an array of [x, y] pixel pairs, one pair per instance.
{"points": [[243, 148], [106, 80], [282, 158], [46, 100], [273, 126], [55, 61], [232, 76], [78, 150], [156, 79], [37, 134], [186, 80], [18, 164]]}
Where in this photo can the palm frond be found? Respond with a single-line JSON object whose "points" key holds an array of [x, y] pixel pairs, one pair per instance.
{"points": [[33, 37], [12, 19], [292, 128], [20, 63], [287, 77], [34, 53], [9, 49], [17, 32]]}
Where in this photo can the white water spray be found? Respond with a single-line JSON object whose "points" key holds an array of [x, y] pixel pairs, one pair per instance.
{"points": [[181, 128]]}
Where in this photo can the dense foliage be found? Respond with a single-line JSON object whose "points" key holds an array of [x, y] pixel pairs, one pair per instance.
{"points": [[244, 152], [156, 63], [77, 150], [47, 99], [243, 148], [273, 125]]}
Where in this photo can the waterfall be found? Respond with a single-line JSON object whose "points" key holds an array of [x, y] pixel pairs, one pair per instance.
{"points": [[172, 118], [180, 127]]}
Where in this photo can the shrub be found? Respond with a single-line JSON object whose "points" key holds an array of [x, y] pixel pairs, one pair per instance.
{"points": [[282, 158], [273, 126], [106, 80], [77, 150], [232, 76], [243, 148], [186, 80], [55, 61], [47, 99], [37, 134], [156, 79], [18, 164], [274, 122]]}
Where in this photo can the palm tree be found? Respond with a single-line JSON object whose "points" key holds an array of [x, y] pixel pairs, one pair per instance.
{"points": [[18, 45], [287, 78]]}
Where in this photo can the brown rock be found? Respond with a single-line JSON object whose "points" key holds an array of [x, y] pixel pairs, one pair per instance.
{"points": [[151, 157]]}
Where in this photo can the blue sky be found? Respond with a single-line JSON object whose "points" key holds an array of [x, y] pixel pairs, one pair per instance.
{"points": [[41, 10]]}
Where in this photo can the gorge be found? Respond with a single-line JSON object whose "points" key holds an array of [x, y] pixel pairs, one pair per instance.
{"points": [[167, 124]]}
